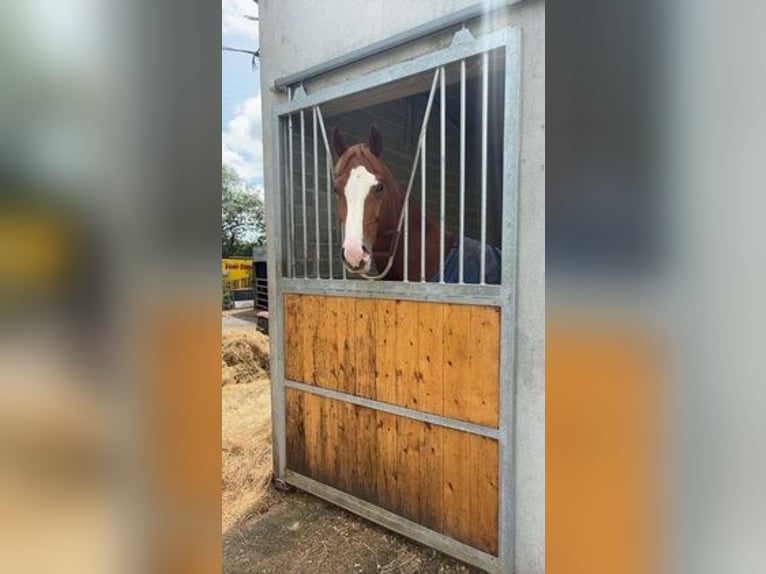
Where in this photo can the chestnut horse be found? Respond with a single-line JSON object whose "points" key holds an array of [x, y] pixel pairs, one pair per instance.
{"points": [[370, 202]]}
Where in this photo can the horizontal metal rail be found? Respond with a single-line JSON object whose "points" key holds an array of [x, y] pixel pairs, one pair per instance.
{"points": [[392, 409], [433, 292]]}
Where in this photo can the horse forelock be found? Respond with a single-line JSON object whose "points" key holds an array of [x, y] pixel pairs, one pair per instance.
{"points": [[360, 155]]}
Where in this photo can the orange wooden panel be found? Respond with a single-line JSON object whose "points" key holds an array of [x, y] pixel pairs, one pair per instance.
{"points": [[459, 382], [365, 346], [485, 365], [482, 488], [308, 313], [388, 470], [406, 347], [433, 357], [601, 421], [385, 351], [443, 479], [456, 475], [293, 338], [345, 344], [429, 375], [431, 499]]}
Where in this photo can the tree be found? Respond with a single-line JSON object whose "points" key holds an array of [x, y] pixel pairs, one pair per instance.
{"points": [[242, 216]]}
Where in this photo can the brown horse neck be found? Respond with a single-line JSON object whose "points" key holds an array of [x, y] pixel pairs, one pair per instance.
{"points": [[387, 234]]}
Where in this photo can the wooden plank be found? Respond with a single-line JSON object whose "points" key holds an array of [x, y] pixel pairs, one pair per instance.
{"points": [[431, 499], [485, 364], [388, 456], [344, 446], [366, 345], [385, 352], [293, 341], [408, 468], [312, 420], [296, 432], [459, 382], [429, 374], [456, 478], [367, 460], [344, 332], [407, 361], [308, 325], [482, 486], [325, 344]]}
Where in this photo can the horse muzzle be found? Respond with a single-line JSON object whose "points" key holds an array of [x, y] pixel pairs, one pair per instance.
{"points": [[356, 260]]}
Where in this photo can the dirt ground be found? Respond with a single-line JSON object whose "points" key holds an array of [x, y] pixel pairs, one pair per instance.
{"points": [[265, 531]]}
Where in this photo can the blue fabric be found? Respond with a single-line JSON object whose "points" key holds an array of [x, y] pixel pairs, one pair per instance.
{"points": [[471, 263]]}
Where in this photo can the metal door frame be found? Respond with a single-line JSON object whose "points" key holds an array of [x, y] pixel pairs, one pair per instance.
{"points": [[504, 296]]}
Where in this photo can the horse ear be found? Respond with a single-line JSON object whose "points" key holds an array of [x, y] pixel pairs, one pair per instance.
{"points": [[375, 141], [337, 142]]}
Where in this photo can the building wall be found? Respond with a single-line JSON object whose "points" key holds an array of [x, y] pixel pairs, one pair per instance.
{"points": [[297, 34]]}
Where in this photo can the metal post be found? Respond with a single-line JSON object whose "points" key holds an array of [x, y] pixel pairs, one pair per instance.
{"points": [[462, 171], [484, 98], [316, 188], [442, 167], [423, 210], [303, 197], [328, 156], [291, 197]]}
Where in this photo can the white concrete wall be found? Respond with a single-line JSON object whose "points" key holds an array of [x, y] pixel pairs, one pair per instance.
{"points": [[296, 34]]}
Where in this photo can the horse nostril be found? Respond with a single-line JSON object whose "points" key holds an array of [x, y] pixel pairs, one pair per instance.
{"points": [[365, 250]]}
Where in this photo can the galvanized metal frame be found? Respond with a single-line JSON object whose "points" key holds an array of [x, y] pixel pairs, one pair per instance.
{"points": [[503, 296]]}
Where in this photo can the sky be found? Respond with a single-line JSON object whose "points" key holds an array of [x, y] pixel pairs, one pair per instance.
{"points": [[241, 93]]}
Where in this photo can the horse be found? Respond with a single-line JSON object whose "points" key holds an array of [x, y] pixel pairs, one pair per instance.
{"points": [[369, 203]]}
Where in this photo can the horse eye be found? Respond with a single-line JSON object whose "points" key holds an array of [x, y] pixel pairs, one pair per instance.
{"points": [[379, 188]]}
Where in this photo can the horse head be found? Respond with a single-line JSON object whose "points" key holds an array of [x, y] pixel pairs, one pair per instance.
{"points": [[368, 198]]}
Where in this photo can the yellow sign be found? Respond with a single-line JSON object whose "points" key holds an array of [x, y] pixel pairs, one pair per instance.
{"points": [[237, 273]]}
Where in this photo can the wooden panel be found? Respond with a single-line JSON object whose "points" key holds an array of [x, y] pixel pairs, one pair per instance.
{"points": [[406, 346], [456, 477], [345, 360], [441, 478], [309, 329], [365, 346], [385, 351], [482, 488], [325, 344], [434, 357], [296, 433], [485, 365], [429, 374], [459, 384], [293, 331]]}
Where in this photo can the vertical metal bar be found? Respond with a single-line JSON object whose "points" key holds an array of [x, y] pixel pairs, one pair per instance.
{"points": [[420, 148], [461, 252], [423, 210], [303, 198], [509, 298], [328, 161], [291, 197], [484, 114], [276, 229], [442, 168], [406, 274], [329, 215], [316, 188]]}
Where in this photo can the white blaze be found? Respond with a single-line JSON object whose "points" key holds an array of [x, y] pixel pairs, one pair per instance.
{"points": [[357, 187]]}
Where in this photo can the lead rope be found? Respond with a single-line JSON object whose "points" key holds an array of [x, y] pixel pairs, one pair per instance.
{"points": [[421, 137]]}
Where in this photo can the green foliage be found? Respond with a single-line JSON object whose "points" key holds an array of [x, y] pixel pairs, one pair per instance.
{"points": [[242, 216]]}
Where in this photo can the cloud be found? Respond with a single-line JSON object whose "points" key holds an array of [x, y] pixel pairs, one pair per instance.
{"points": [[242, 143], [234, 23]]}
